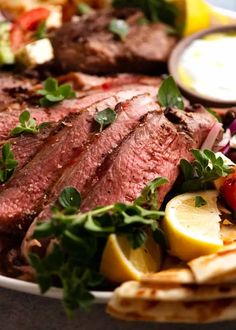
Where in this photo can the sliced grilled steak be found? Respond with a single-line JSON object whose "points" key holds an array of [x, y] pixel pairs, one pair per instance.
{"points": [[153, 150], [25, 146], [89, 46], [82, 81], [10, 118], [13, 89], [80, 173], [24, 194]]}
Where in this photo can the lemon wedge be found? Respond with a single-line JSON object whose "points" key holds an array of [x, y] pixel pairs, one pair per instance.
{"points": [[121, 263], [194, 15], [193, 231], [197, 15]]}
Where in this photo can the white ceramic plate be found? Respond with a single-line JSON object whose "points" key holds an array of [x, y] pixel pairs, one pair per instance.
{"points": [[32, 288], [101, 297]]}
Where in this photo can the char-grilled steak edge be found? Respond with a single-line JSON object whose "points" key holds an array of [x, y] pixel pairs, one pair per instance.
{"points": [[89, 46]]}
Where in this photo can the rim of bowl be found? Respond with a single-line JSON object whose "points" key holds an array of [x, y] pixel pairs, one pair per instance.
{"points": [[173, 62]]}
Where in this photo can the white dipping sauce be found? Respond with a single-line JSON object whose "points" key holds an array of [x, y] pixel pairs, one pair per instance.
{"points": [[208, 66]]}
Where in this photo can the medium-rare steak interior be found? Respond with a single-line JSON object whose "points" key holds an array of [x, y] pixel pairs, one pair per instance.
{"points": [[153, 150], [89, 46]]}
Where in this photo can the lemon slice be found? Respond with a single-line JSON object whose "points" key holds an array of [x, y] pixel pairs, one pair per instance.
{"points": [[121, 263], [193, 231]]}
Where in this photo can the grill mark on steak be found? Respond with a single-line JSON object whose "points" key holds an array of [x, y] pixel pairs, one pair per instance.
{"points": [[24, 194], [81, 172], [10, 118], [89, 46], [154, 149]]}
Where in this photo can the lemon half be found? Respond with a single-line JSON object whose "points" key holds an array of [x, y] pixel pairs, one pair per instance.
{"points": [[193, 231], [121, 263]]}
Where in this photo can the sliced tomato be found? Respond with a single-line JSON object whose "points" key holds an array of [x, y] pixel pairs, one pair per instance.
{"points": [[228, 191], [28, 21], [31, 19]]}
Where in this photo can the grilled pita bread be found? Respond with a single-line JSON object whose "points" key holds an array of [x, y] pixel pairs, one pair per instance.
{"points": [[217, 268], [184, 312], [134, 290]]}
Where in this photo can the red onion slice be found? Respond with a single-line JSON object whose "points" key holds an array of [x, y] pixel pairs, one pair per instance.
{"points": [[212, 137], [232, 127]]}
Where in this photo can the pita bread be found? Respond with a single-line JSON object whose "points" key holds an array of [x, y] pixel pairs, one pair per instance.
{"points": [[182, 312], [217, 267], [171, 276], [134, 290]]}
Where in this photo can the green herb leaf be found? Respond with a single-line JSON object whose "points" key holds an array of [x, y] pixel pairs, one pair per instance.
{"points": [[53, 93], [169, 95], [41, 31], [154, 10], [7, 163], [27, 125], [70, 198], [105, 117], [119, 27], [205, 169], [213, 113], [84, 9], [200, 201], [148, 197]]}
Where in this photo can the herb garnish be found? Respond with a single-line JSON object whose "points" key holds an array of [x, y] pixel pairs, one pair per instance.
{"points": [[7, 163], [79, 240], [119, 27], [148, 197], [213, 113], [154, 10], [27, 125], [53, 93], [206, 168], [200, 201], [41, 31], [105, 117], [169, 94], [84, 8]]}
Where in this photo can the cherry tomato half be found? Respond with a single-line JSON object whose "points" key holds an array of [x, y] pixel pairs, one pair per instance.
{"points": [[228, 191]]}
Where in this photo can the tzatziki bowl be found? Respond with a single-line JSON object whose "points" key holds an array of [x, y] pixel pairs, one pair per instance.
{"points": [[204, 66]]}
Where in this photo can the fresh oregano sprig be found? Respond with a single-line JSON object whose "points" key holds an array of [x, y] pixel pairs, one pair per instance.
{"points": [[119, 27], [79, 240], [169, 94], [105, 117], [84, 9], [26, 125], [7, 163], [206, 168], [54, 93]]}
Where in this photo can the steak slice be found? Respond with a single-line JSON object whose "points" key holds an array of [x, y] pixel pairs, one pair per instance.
{"points": [[24, 194], [10, 118], [13, 88], [82, 81], [80, 173], [153, 150], [25, 146], [89, 46]]}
